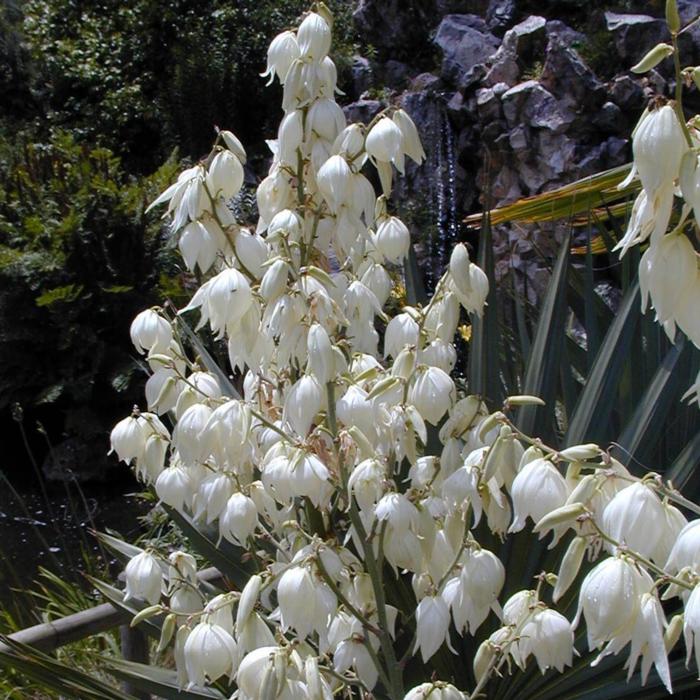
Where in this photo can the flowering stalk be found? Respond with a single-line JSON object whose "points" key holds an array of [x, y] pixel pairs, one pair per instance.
{"points": [[320, 470]]}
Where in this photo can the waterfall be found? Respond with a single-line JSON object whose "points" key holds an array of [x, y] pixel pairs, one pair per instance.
{"points": [[441, 171]]}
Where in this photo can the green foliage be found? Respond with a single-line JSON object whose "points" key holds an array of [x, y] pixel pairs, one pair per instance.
{"points": [[53, 598], [78, 259], [142, 77]]}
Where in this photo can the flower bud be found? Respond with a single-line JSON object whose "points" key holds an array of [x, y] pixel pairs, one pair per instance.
{"points": [[570, 565]]}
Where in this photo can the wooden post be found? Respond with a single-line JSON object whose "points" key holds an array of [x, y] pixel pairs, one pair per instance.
{"points": [[134, 648]]}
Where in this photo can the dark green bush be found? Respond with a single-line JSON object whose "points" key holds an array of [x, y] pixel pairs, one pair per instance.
{"points": [[146, 76], [78, 259]]}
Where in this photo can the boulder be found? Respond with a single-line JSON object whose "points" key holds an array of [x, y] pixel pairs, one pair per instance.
{"points": [[634, 35], [569, 79], [500, 16], [395, 74], [530, 103], [609, 119], [488, 105], [466, 44], [565, 34], [522, 46], [627, 94], [361, 76], [362, 110], [397, 25]]}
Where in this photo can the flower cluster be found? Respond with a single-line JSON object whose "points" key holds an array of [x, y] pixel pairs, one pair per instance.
{"points": [[342, 458], [666, 152]]}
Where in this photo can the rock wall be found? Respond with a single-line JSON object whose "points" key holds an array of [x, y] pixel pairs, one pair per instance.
{"points": [[508, 103]]}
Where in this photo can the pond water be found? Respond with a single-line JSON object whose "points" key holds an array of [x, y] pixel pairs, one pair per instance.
{"points": [[55, 533]]}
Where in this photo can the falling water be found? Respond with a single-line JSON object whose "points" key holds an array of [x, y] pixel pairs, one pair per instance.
{"points": [[441, 166]]}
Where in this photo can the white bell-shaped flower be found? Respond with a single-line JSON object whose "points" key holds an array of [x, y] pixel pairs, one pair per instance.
{"points": [[436, 690], [199, 245], [686, 549], [410, 143], [321, 361], [326, 119], [549, 636], [283, 51], [210, 652], [225, 175], [188, 435], [150, 332], [128, 438], [314, 37], [251, 251], [376, 278], [290, 136], [175, 487], [351, 653], [306, 604], [432, 626], [393, 239], [691, 626], [223, 300], [610, 600], [537, 490], [238, 520], [658, 145], [144, 578], [432, 392], [648, 641], [303, 401], [401, 331], [366, 483], [637, 518], [384, 141], [333, 179]]}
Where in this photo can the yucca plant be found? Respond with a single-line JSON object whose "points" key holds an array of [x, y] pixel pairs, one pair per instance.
{"points": [[369, 510]]}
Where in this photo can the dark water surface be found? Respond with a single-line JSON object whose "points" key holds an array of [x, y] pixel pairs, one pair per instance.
{"points": [[56, 535]]}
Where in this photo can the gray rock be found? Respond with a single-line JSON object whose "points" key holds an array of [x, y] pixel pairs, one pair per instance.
{"points": [[627, 94], [609, 119], [522, 46], [362, 76], [500, 15], [362, 110], [458, 110], [530, 103], [518, 138], [565, 34], [567, 77], [504, 69], [488, 105], [634, 35], [426, 82], [395, 74], [466, 44], [500, 88], [457, 7], [395, 24]]}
